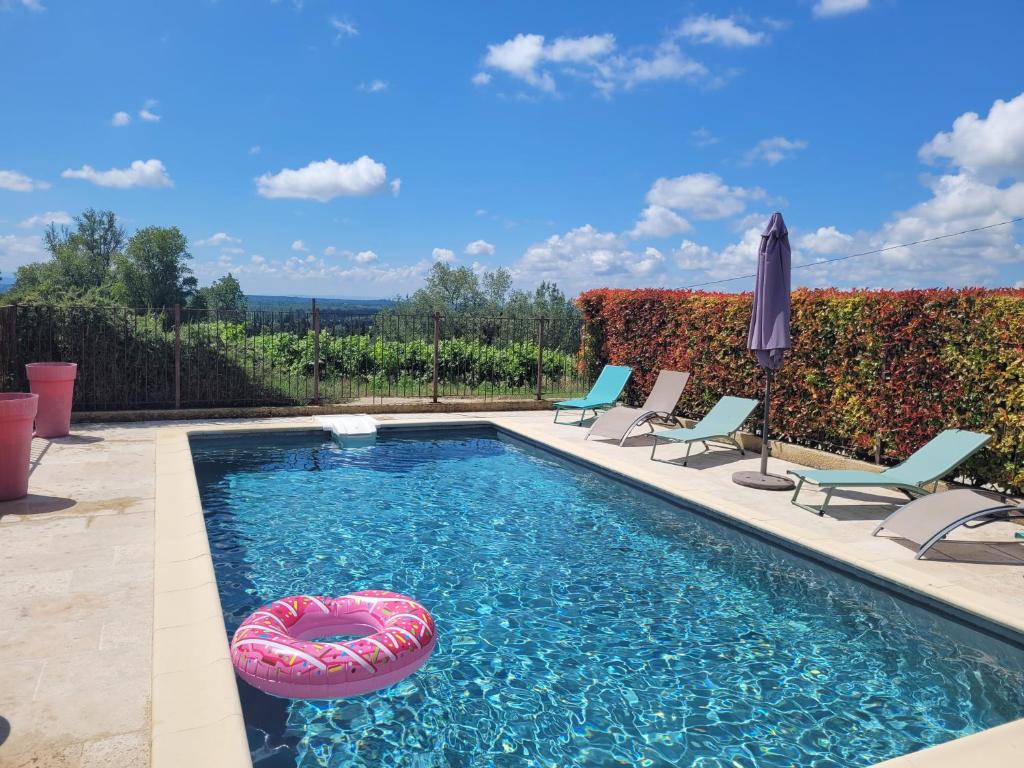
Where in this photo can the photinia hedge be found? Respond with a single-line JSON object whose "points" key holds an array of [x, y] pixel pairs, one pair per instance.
{"points": [[874, 374]]}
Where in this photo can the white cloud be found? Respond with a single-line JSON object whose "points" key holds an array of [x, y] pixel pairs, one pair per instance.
{"points": [[585, 257], [827, 240], [734, 259], [443, 254], [838, 7], [298, 245], [396, 187], [658, 221], [120, 119], [32, 5], [593, 58], [365, 257], [480, 248], [255, 149], [16, 250], [773, 150], [580, 49], [374, 86], [46, 219], [667, 62], [324, 180], [141, 173], [13, 181], [702, 195], [702, 137], [147, 114], [219, 238], [991, 147], [723, 31], [317, 273], [519, 57], [343, 28]]}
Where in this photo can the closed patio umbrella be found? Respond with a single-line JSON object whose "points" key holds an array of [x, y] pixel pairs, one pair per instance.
{"points": [[768, 337]]}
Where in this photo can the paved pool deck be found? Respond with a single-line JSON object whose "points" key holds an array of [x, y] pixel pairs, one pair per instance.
{"points": [[105, 570]]}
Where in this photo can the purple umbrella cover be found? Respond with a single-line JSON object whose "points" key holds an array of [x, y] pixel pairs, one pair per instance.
{"points": [[768, 336]]}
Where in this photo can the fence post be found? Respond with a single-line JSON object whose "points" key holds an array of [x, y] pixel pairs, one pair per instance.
{"points": [[437, 341], [16, 349], [316, 354], [540, 357], [177, 356]]}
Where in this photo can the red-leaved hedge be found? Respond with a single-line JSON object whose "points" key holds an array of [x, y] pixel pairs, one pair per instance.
{"points": [[870, 373]]}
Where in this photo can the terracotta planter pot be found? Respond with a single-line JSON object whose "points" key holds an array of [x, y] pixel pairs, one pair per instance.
{"points": [[17, 411], [55, 385]]}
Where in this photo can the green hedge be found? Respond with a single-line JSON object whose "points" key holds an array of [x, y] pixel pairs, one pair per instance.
{"points": [[870, 371]]}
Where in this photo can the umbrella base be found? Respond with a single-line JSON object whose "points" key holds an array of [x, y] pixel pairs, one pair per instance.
{"points": [[762, 482]]}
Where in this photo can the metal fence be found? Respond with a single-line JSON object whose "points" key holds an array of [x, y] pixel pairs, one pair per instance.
{"points": [[185, 358]]}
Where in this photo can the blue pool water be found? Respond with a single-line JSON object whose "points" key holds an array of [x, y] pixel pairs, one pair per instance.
{"points": [[581, 622]]}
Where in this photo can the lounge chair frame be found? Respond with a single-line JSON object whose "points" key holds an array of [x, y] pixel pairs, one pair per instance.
{"points": [[910, 491], [583, 413], [723, 441], [646, 419]]}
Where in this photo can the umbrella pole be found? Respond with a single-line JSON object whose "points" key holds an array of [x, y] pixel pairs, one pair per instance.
{"points": [[764, 429], [762, 480]]}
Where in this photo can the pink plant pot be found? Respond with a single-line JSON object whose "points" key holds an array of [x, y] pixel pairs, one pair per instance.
{"points": [[17, 411], [55, 385]]}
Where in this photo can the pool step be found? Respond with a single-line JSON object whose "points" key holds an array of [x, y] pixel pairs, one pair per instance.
{"points": [[348, 430]]}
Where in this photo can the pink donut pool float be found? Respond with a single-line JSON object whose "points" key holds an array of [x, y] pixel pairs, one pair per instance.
{"points": [[274, 649]]}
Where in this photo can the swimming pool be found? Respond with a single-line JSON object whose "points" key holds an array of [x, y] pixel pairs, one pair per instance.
{"points": [[581, 621]]}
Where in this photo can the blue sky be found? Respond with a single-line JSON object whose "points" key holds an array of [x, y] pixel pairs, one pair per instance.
{"points": [[339, 148]]}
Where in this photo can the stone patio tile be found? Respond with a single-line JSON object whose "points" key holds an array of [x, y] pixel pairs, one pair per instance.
{"points": [[124, 749]]}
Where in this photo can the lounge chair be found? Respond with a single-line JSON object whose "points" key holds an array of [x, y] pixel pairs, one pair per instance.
{"points": [[720, 424], [926, 521], [621, 420], [928, 464], [603, 394]]}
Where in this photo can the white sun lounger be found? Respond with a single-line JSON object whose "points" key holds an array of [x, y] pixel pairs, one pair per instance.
{"points": [[928, 519], [621, 420]]}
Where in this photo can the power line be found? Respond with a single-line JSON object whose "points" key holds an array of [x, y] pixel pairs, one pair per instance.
{"points": [[863, 253]]}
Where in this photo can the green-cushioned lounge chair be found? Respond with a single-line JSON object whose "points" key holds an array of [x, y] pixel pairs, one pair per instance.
{"points": [[603, 394], [928, 464], [720, 424]]}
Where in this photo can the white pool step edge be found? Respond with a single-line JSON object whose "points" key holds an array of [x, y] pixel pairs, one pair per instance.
{"points": [[348, 425]]}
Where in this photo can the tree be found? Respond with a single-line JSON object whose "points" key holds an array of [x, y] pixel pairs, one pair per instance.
{"points": [[448, 290], [153, 271], [224, 295], [79, 269]]}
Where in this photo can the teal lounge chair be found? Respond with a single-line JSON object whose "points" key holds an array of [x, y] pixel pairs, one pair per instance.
{"points": [[603, 394], [720, 424], [928, 464]]}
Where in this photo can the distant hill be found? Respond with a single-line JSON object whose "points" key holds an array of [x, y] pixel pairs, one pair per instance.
{"points": [[334, 306]]}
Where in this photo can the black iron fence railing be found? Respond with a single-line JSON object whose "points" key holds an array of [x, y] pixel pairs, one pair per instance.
{"points": [[184, 358]]}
